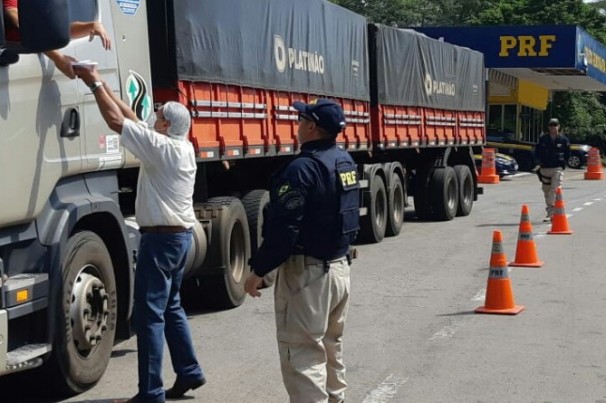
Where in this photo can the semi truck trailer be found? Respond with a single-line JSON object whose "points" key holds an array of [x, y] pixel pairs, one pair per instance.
{"points": [[415, 110]]}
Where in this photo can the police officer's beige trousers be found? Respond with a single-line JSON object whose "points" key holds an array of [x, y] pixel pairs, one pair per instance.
{"points": [[311, 306], [556, 176]]}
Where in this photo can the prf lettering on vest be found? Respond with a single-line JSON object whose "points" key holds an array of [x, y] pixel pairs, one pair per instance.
{"points": [[526, 45], [348, 178]]}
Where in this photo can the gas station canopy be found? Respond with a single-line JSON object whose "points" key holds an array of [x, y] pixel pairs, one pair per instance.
{"points": [[556, 57]]}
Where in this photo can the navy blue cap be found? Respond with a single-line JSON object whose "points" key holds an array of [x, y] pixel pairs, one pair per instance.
{"points": [[323, 112]]}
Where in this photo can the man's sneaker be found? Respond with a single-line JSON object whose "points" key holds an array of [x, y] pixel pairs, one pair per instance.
{"points": [[547, 219]]}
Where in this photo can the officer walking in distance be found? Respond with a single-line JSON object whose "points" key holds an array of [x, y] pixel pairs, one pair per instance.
{"points": [[310, 222], [552, 152]]}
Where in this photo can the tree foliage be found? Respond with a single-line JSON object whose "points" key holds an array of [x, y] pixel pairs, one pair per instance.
{"points": [[542, 12], [581, 114], [411, 13]]}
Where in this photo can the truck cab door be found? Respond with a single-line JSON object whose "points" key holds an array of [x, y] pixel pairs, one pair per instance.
{"points": [[36, 99]]}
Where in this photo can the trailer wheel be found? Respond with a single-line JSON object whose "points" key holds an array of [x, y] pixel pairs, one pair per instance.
{"points": [[465, 182], [85, 316], [444, 193], [254, 202], [422, 198], [395, 205], [228, 253], [372, 225]]}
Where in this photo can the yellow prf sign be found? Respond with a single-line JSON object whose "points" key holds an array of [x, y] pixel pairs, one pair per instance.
{"points": [[348, 178], [526, 45]]}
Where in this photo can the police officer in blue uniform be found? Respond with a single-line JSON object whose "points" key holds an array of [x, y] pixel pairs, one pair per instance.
{"points": [[309, 224], [552, 152]]}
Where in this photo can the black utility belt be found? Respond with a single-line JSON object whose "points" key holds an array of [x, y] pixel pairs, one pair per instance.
{"points": [[163, 229], [309, 260]]}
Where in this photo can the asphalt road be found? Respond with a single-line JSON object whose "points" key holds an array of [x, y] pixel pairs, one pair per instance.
{"points": [[412, 334]]}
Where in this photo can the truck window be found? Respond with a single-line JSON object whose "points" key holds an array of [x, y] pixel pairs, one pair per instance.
{"points": [[83, 10]]}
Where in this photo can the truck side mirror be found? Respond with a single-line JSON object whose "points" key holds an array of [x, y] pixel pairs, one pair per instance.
{"points": [[43, 24], [2, 32]]}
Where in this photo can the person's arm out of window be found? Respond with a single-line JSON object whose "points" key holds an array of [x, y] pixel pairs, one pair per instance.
{"points": [[62, 62], [79, 29]]}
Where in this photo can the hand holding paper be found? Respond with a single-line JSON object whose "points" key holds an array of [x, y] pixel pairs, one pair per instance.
{"points": [[85, 64], [87, 71]]}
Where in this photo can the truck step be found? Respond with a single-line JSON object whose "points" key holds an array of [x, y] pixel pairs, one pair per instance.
{"points": [[25, 280], [26, 357]]}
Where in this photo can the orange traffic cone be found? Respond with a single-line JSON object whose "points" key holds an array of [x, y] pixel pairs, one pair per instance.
{"points": [[559, 221], [488, 173], [594, 165], [526, 251], [499, 295]]}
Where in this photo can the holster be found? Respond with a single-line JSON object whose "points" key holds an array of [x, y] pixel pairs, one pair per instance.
{"points": [[545, 180], [351, 255]]}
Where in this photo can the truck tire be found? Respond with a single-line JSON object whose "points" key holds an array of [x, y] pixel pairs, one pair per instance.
{"points": [[86, 315], [465, 182], [254, 202], [444, 193], [395, 205], [228, 253], [197, 251], [373, 224]]}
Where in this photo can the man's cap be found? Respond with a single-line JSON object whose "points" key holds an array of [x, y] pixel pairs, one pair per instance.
{"points": [[553, 122], [323, 112]]}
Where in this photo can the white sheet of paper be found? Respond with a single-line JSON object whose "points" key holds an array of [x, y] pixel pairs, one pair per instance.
{"points": [[84, 63]]}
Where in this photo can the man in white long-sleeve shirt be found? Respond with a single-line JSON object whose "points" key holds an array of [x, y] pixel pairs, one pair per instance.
{"points": [[164, 209]]}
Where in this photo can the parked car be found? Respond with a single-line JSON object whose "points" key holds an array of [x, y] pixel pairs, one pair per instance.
{"points": [[505, 143], [504, 164], [578, 155]]}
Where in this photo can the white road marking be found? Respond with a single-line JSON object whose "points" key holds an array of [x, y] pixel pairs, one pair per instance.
{"points": [[446, 332], [449, 330], [385, 391], [480, 295], [598, 199], [588, 203], [578, 209]]}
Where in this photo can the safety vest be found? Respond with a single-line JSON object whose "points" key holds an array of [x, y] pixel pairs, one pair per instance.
{"points": [[331, 220]]}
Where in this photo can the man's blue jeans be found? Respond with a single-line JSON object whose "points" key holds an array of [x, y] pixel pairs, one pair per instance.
{"points": [[158, 312]]}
